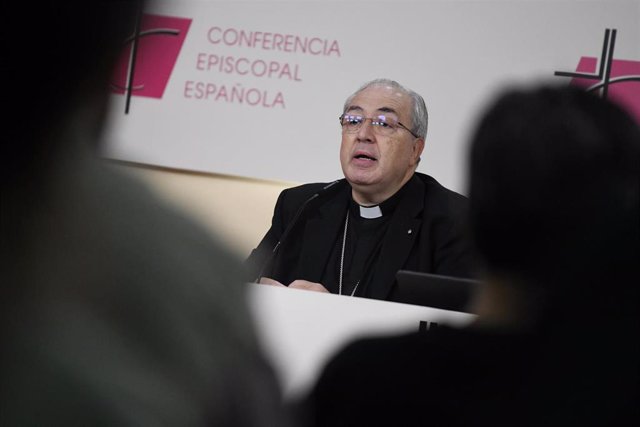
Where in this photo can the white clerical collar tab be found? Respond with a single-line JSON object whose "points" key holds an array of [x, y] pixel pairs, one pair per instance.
{"points": [[370, 212]]}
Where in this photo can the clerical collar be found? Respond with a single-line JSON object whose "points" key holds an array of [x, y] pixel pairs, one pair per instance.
{"points": [[370, 212]]}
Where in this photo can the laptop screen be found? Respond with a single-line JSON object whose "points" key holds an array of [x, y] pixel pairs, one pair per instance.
{"points": [[432, 290]]}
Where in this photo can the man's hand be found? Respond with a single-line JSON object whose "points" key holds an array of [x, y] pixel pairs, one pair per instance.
{"points": [[268, 281], [309, 286], [296, 284]]}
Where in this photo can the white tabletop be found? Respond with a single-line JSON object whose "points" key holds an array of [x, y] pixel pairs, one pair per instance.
{"points": [[300, 330]]}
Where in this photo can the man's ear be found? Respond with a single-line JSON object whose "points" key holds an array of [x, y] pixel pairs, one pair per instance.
{"points": [[418, 147]]}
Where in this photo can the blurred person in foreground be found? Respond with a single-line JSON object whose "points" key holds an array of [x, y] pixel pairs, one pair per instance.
{"points": [[554, 211], [116, 310]]}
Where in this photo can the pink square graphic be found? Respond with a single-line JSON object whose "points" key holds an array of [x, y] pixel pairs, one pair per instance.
{"points": [[159, 44], [625, 93]]}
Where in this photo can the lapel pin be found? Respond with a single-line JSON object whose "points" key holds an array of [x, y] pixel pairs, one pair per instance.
{"points": [[409, 231]]}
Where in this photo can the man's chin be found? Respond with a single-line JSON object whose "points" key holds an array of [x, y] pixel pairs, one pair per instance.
{"points": [[361, 181], [360, 176], [364, 185]]}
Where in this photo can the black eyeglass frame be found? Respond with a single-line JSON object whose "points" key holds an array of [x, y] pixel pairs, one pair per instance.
{"points": [[373, 118]]}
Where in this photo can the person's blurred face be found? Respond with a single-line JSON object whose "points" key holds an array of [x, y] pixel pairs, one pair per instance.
{"points": [[376, 163]]}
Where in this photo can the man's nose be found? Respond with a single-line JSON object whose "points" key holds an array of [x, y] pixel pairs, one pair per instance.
{"points": [[365, 133]]}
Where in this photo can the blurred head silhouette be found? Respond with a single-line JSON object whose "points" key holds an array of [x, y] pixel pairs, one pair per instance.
{"points": [[554, 196], [57, 61], [116, 308]]}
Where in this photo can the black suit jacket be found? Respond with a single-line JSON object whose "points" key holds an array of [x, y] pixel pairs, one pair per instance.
{"points": [[425, 234]]}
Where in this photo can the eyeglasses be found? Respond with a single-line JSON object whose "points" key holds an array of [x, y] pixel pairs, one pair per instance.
{"points": [[382, 125]]}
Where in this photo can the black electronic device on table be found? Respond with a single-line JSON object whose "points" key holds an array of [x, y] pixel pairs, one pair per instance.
{"points": [[432, 290]]}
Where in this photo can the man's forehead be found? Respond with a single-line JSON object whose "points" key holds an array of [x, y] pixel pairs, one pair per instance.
{"points": [[380, 98]]}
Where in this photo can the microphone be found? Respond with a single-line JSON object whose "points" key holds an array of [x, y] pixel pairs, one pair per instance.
{"points": [[323, 191]]}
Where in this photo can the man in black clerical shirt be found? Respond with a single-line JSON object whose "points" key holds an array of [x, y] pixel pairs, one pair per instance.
{"points": [[350, 237]]}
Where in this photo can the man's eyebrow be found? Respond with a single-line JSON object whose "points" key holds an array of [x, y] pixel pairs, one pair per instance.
{"points": [[352, 108], [387, 110]]}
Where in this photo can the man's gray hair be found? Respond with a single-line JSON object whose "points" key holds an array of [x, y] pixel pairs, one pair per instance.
{"points": [[420, 116]]}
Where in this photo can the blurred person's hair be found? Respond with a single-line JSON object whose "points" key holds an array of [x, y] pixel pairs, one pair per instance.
{"points": [[57, 59], [554, 192]]}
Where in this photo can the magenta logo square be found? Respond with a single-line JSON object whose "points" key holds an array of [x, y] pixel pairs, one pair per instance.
{"points": [[149, 56], [616, 79], [622, 90]]}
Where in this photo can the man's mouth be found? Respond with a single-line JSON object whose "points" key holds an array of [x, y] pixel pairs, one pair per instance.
{"points": [[363, 156]]}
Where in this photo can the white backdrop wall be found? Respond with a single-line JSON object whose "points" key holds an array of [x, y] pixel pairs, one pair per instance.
{"points": [[455, 53]]}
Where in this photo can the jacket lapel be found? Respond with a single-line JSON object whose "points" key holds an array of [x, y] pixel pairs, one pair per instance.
{"points": [[399, 239], [320, 234]]}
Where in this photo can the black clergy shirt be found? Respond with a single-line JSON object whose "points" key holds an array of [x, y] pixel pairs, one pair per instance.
{"points": [[361, 247]]}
